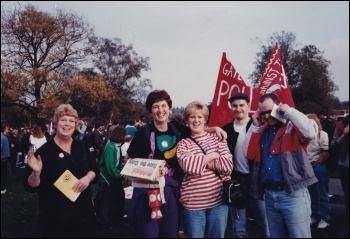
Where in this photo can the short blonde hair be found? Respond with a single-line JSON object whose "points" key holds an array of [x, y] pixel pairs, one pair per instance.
{"points": [[196, 105], [65, 110]]}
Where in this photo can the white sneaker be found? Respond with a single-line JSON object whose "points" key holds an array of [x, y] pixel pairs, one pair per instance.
{"points": [[312, 220], [322, 224], [3, 191]]}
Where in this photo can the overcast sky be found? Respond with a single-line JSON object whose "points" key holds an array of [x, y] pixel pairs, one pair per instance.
{"points": [[185, 40]]}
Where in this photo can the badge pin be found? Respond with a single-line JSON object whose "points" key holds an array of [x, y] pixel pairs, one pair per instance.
{"points": [[165, 144]]}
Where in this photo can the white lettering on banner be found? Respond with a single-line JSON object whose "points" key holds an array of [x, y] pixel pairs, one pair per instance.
{"points": [[269, 84], [222, 92], [271, 75], [231, 71], [284, 79], [225, 89]]}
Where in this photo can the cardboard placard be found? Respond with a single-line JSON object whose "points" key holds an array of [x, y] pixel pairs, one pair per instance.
{"points": [[141, 168]]}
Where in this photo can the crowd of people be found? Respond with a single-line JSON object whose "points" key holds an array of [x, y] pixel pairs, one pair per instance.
{"points": [[282, 166]]}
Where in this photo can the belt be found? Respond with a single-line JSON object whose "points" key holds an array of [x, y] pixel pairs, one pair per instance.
{"points": [[274, 187]]}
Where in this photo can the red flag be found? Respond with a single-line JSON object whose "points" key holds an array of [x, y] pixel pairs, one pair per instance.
{"points": [[274, 80], [229, 82]]}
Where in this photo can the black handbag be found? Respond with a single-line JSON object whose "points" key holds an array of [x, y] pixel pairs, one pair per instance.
{"points": [[233, 194], [232, 189]]}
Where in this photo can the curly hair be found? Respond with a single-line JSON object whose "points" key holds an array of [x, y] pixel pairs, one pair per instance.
{"points": [[65, 110], [156, 96]]}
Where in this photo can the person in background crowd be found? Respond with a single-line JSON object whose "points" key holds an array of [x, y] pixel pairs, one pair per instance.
{"points": [[339, 118], [328, 125], [15, 148], [25, 144], [165, 135], [87, 135], [5, 156], [111, 126], [80, 131], [126, 144], [110, 199], [104, 138], [37, 138], [96, 140], [45, 131], [59, 216], [341, 141], [202, 157], [318, 153], [130, 128], [236, 132], [142, 122], [282, 171]]}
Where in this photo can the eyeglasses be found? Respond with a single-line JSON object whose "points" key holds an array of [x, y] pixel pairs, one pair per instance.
{"points": [[265, 112]]}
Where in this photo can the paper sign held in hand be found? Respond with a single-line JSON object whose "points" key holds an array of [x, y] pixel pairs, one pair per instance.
{"points": [[147, 169], [277, 114], [65, 184]]}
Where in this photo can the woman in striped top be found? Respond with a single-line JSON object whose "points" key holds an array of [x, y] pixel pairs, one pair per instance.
{"points": [[201, 191]]}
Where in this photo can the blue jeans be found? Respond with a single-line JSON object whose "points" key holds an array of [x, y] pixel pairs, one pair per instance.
{"points": [[210, 223], [258, 208], [239, 223], [320, 207], [288, 215], [239, 220]]}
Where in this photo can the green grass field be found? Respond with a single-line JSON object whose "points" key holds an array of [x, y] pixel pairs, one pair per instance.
{"points": [[19, 210], [19, 213], [19, 216]]}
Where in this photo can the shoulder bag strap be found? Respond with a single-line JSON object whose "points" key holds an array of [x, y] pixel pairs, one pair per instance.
{"points": [[198, 144], [216, 172]]}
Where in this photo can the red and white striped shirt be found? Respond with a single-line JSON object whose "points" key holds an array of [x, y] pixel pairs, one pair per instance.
{"points": [[201, 187]]}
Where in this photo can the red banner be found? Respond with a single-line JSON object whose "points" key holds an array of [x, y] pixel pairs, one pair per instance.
{"points": [[274, 79], [230, 82]]}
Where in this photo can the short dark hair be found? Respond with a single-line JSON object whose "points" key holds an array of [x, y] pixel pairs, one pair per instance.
{"points": [[43, 128], [97, 124], [156, 96], [3, 127], [271, 96], [322, 112], [118, 134]]}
